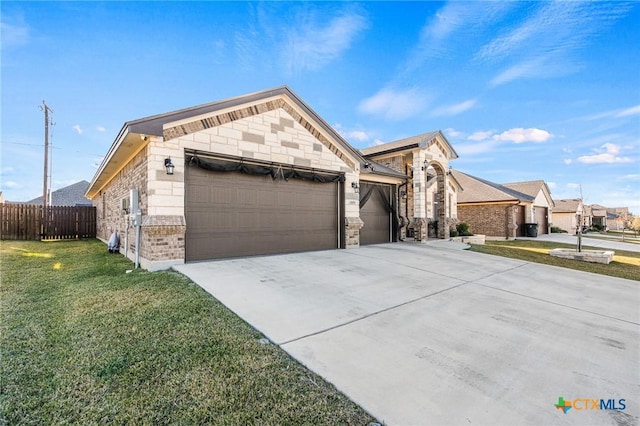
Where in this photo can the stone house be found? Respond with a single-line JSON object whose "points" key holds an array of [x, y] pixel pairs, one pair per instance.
{"points": [[494, 210], [540, 211], [255, 174], [568, 214], [428, 202]]}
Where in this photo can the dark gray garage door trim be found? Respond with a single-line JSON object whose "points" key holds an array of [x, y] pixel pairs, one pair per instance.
{"points": [[228, 163]]}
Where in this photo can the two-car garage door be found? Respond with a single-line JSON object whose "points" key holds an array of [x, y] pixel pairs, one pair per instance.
{"points": [[234, 214]]}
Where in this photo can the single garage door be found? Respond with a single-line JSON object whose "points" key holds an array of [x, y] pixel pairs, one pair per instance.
{"points": [[234, 214], [374, 212], [542, 219]]}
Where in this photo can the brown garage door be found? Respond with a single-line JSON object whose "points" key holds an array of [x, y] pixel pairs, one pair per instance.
{"points": [[542, 219], [375, 214], [233, 214]]}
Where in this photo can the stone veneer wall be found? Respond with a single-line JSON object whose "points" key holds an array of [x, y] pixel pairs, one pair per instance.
{"points": [[272, 131], [489, 219]]}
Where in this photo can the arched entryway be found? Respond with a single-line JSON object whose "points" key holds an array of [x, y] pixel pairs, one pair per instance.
{"points": [[438, 208]]}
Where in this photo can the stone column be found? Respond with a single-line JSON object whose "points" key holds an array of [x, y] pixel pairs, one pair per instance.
{"points": [[419, 196]]}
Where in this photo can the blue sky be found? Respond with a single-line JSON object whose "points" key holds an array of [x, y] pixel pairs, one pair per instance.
{"points": [[522, 90]]}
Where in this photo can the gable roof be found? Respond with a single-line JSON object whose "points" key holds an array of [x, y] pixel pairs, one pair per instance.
{"points": [[567, 205], [532, 188], [134, 134], [418, 141], [72, 195], [477, 190]]}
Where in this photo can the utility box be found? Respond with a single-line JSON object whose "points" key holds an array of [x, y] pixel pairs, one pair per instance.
{"points": [[135, 215]]}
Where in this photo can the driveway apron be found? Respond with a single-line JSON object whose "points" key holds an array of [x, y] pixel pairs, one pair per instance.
{"points": [[423, 334]]}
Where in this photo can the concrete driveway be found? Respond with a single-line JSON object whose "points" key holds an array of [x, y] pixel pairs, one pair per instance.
{"points": [[421, 334]]}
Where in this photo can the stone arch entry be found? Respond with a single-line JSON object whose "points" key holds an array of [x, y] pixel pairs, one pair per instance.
{"points": [[441, 198]]}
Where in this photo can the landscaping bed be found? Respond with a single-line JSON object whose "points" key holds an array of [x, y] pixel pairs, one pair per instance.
{"points": [[84, 342]]}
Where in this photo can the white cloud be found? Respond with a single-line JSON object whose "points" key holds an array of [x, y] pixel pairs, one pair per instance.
{"points": [[480, 136], [453, 133], [395, 104], [573, 185], [78, 129], [476, 148], [311, 46], [358, 135], [454, 109], [521, 135], [551, 185], [14, 34], [9, 184], [544, 43], [607, 153], [568, 161], [377, 142], [629, 111], [101, 129]]}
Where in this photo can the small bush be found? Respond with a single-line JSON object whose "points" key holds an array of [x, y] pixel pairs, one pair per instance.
{"points": [[453, 232], [557, 230], [463, 229]]}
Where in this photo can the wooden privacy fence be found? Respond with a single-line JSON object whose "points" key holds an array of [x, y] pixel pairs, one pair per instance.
{"points": [[30, 222]]}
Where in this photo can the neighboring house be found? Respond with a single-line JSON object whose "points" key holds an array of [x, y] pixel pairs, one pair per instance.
{"points": [[428, 206], [490, 208], [72, 195], [541, 211], [567, 214], [618, 218], [256, 174], [598, 216]]}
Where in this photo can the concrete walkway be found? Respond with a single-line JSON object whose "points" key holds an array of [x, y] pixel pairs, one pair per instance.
{"points": [[586, 241], [420, 334]]}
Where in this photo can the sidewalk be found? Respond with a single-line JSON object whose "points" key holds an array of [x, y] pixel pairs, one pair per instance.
{"points": [[586, 241]]}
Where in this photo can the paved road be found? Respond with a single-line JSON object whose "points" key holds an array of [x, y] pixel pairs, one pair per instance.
{"points": [[423, 334]]}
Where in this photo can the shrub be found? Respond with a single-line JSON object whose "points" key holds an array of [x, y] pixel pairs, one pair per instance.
{"points": [[453, 232], [557, 230], [463, 229]]}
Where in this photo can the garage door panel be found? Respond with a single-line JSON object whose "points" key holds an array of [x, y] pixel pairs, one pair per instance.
{"points": [[376, 218], [252, 215]]}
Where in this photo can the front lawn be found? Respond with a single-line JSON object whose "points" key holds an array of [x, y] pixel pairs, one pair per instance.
{"points": [[625, 264], [84, 342]]}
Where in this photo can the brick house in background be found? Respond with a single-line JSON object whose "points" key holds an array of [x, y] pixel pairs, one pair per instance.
{"points": [[493, 209], [541, 211], [255, 174]]}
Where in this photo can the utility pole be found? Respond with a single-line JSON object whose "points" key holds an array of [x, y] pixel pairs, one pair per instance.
{"points": [[45, 189]]}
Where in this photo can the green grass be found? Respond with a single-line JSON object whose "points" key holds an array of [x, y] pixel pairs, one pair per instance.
{"points": [[625, 264], [84, 342]]}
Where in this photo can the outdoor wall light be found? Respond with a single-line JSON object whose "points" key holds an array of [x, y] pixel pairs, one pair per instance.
{"points": [[425, 165], [355, 186], [169, 166], [403, 193]]}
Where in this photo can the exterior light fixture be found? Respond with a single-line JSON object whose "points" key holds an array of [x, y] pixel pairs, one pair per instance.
{"points": [[425, 165], [449, 171], [356, 187], [403, 194], [169, 166]]}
